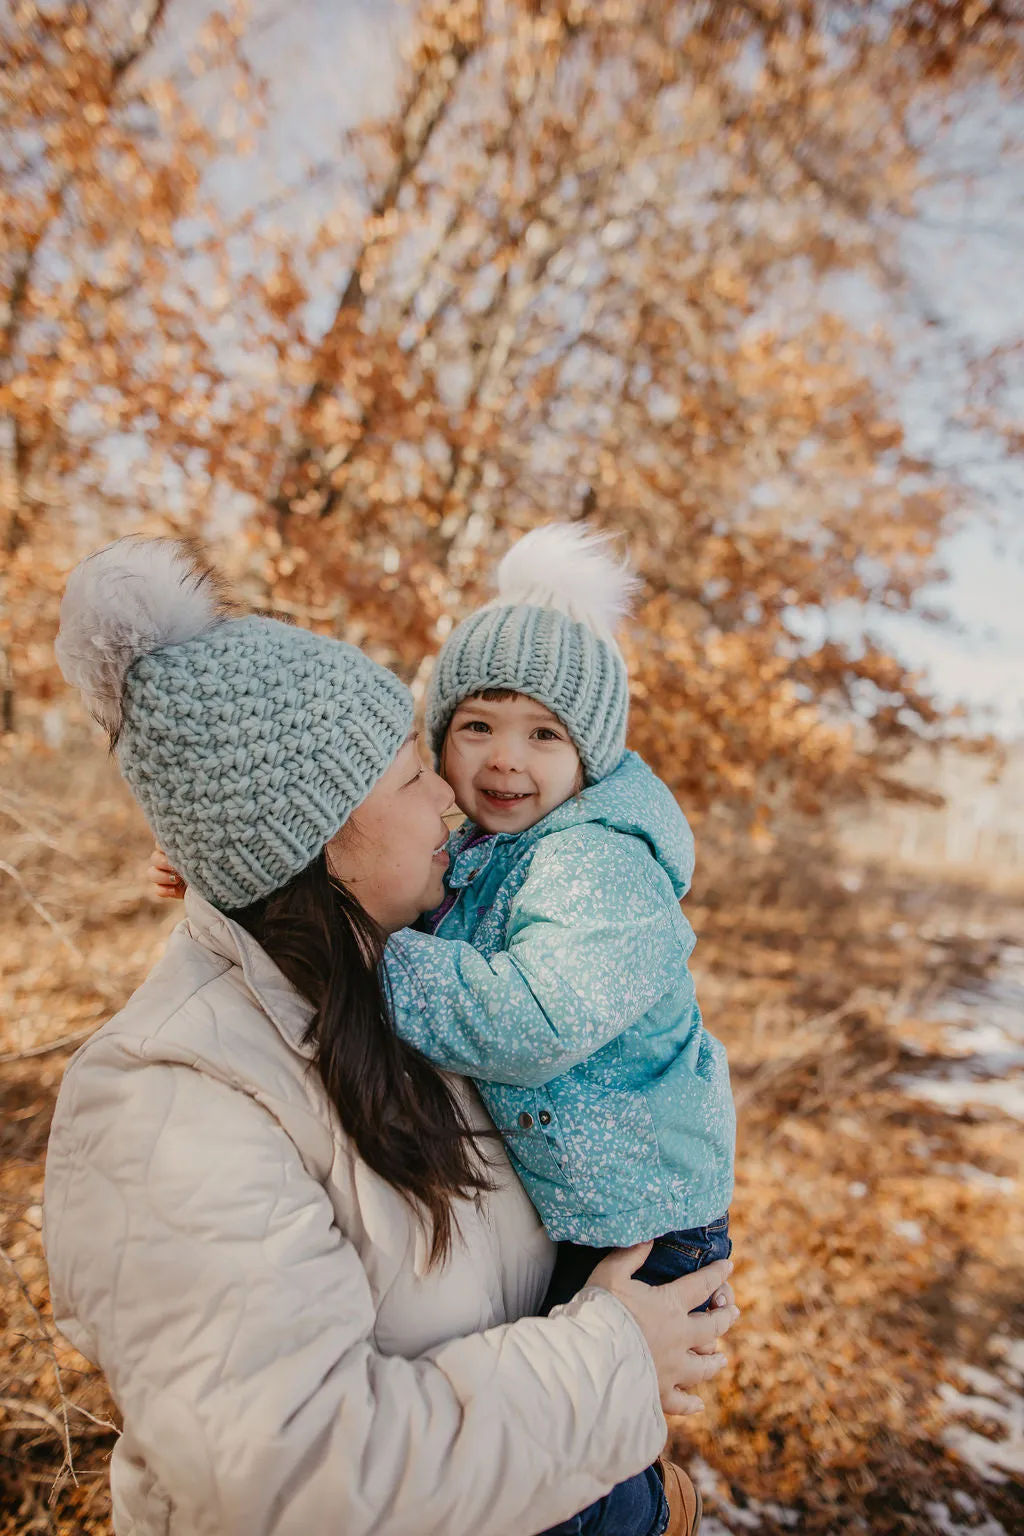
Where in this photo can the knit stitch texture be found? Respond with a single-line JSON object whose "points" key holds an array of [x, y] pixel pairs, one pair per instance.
{"points": [[554, 659], [248, 747]]}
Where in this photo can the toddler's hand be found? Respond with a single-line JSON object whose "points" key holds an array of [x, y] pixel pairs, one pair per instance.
{"points": [[164, 878]]}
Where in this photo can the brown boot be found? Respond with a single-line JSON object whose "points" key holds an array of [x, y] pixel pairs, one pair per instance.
{"points": [[684, 1504]]}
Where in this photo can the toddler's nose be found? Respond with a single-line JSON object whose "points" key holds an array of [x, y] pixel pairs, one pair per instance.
{"points": [[503, 758]]}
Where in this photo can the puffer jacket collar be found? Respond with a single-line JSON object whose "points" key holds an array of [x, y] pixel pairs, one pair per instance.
{"points": [[270, 989]]}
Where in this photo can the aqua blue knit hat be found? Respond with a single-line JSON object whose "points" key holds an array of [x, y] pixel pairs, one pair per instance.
{"points": [[247, 742], [550, 634]]}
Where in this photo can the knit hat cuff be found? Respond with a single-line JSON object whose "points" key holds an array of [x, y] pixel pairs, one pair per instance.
{"points": [[549, 657]]}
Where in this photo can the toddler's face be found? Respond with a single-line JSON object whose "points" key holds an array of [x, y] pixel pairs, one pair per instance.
{"points": [[509, 761]]}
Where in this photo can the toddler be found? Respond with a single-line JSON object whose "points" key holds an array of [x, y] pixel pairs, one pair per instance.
{"points": [[555, 971]]}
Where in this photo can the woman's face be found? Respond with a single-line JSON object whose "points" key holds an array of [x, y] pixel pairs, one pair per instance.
{"points": [[391, 852]]}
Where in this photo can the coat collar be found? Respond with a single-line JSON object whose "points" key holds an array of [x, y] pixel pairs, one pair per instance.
{"points": [[272, 991]]}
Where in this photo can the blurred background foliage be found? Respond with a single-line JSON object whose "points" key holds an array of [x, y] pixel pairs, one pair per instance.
{"points": [[587, 265]]}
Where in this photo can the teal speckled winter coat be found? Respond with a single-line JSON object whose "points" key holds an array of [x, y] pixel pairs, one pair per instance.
{"points": [[558, 980]]}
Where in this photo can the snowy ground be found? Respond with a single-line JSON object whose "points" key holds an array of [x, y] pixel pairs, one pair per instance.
{"points": [[970, 1046], [983, 1037]]}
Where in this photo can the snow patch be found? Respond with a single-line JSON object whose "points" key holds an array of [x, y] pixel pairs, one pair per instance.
{"points": [[994, 1399], [1006, 1096], [728, 1517], [1011, 1353], [945, 1525], [984, 1039], [980, 1177]]}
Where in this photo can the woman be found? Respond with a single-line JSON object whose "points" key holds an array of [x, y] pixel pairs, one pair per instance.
{"points": [[304, 1267]]}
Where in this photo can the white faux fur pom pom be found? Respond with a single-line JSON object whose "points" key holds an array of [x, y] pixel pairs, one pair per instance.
{"points": [[568, 567], [120, 604]]}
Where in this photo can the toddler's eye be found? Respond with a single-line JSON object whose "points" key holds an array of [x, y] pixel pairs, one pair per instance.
{"points": [[479, 726], [545, 733]]}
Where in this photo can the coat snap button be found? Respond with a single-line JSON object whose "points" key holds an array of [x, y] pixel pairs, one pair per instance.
{"points": [[544, 1117], [525, 1120]]}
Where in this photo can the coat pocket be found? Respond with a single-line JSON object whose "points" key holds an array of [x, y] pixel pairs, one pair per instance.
{"points": [[613, 1159], [531, 1131]]}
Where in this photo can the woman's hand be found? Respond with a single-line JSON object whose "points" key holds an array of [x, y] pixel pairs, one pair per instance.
{"points": [[682, 1342], [164, 878]]}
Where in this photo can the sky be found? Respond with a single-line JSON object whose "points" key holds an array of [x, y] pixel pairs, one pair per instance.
{"points": [[964, 256], [333, 63]]}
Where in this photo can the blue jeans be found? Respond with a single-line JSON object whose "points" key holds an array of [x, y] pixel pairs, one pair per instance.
{"points": [[636, 1507], [674, 1254]]}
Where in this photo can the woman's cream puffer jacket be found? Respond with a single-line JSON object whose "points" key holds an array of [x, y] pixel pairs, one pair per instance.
{"points": [[285, 1360]]}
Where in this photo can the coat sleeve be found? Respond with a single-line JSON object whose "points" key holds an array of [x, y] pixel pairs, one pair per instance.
{"points": [[197, 1261], [595, 939]]}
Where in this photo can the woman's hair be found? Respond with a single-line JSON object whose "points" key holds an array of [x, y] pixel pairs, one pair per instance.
{"points": [[403, 1117]]}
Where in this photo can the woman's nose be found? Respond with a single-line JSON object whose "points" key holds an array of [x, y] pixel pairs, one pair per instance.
{"points": [[444, 793]]}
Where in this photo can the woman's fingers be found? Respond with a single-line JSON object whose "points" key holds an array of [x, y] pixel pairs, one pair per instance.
{"points": [[682, 1341], [705, 1328], [617, 1268], [704, 1366], [696, 1289], [678, 1400]]}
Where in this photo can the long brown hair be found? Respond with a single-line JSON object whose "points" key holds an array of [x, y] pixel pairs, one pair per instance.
{"points": [[402, 1116]]}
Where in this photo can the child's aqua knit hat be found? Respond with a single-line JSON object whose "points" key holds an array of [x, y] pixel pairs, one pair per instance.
{"points": [[550, 634], [247, 742]]}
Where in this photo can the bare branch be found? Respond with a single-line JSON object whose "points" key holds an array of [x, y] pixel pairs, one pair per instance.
{"points": [[425, 106], [64, 1043], [101, 983], [46, 1338]]}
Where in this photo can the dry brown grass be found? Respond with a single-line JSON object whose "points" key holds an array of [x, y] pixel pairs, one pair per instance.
{"points": [[823, 997], [831, 1408], [78, 933]]}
